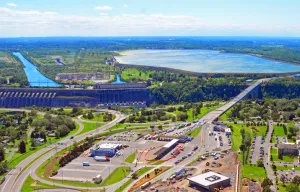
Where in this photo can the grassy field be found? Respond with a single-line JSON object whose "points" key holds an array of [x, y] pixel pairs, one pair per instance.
{"points": [[97, 118], [31, 185], [131, 157], [139, 173], [278, 131], [253, 172], [236, 134], [287, 168], [285, 158], [117, 175], [90, 126], [18, 157], [194, 132], [135, 75]]}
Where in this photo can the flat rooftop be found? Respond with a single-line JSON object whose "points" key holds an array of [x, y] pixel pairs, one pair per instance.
{"points": [[171, 143], [209, 178]]}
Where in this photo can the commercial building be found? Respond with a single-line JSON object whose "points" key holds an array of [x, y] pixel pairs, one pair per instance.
{"points": [[209, 181], [227, 131], [105, 149], [288, 149], [166, 149]]}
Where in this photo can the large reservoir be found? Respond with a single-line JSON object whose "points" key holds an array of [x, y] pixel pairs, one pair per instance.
{"points": [[35, 78], [205, 61]]}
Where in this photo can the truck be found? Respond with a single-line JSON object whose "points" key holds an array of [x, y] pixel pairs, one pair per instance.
{"points": [[101, 158], [145, 185], [181, 171], [97, 179]]}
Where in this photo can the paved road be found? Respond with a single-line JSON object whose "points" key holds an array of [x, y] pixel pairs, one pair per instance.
{"points": [[203, 138], [267, 146], [15, 178]]}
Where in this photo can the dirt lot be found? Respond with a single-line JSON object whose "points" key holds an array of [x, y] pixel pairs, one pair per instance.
{"points": [[226, 166]]}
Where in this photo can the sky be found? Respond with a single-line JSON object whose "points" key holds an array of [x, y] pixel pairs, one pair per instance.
{"points": [[34, 18]]}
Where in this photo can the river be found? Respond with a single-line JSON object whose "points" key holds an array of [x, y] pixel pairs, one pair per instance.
{"points": [[206, 61], [34, 76]]}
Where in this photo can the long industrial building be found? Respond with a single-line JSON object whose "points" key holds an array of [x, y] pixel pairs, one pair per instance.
{"points": [[59, 97], [166, 149]]}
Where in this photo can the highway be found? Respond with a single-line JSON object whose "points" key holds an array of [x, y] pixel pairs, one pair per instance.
{"points": [[16, 177], [203, 138]]}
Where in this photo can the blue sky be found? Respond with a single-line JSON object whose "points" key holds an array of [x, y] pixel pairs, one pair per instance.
{"points": [[149, 17]]}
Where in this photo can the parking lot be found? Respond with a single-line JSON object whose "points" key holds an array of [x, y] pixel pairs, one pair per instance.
{"points": [[124, 136], [257, 149]]}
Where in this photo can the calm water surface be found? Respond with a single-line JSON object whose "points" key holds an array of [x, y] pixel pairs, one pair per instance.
{"points": [[205, 61], [35, 78]]}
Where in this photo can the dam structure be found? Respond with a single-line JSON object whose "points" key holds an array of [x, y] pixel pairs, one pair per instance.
{"points": [[105, 97]]}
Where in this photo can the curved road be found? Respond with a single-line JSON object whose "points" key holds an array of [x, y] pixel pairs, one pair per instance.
{"points": [[17, 176]]}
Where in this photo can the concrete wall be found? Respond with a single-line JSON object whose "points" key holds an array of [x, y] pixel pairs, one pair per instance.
{"points": [[22, 97]]}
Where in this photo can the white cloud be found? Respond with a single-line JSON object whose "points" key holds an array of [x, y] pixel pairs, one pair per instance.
{"points": [[36, 23], [103, 8], [125, 5], [11, 4]]}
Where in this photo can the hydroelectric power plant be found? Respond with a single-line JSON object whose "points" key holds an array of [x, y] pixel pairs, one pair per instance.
{"points": [[126, 95]]}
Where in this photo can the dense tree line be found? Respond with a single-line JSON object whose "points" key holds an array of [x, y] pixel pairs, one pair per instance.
{"points": [[197, 89], [60, 125], [282, 88]]}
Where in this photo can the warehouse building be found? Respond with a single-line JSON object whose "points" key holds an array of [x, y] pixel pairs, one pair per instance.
{"points": [[166, 149], [209, 181], [105, 149]]}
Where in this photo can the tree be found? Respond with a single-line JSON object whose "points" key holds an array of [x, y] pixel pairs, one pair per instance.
{"points": [[266, 182], [282, 179], [2, 153], [260, 163], [90, 115], [267, 189], [292, 188], [296, 180], [134, 175], [22, 147], [242, 148]]}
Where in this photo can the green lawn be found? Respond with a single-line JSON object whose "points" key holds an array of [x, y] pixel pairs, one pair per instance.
{"points": [[278, 131], [225, 116], [90, 126], [285, 158], [139, 173], [131, 157], [287, 168], [253, 172], [284, 188], [97, 118], [18, 157], [194, 132], [31, 185], [135, 74], [117, 175], [236, 134]]}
